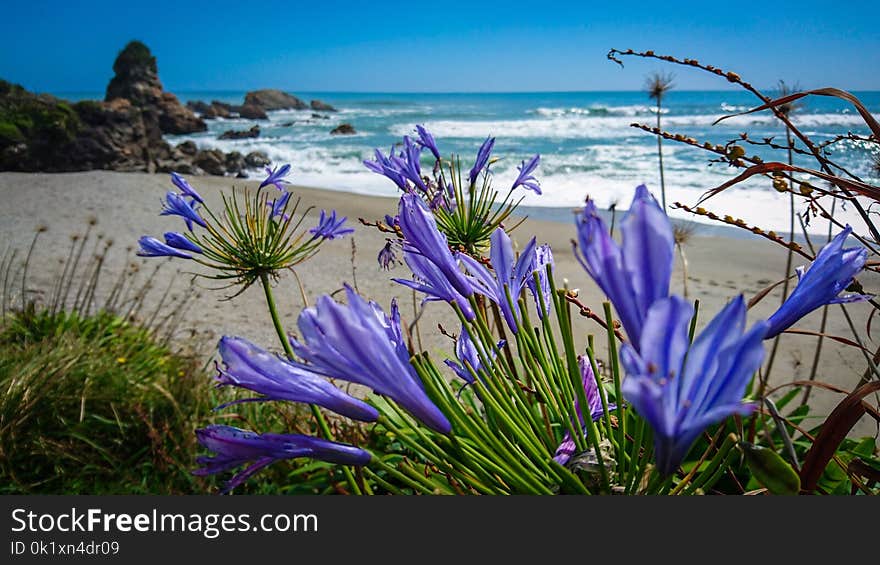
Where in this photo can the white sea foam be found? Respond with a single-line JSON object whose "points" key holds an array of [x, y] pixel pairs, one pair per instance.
{"points": [[575, 126]]}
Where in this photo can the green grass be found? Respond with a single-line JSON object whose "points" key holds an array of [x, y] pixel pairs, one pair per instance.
{"points": [[94, 405]]}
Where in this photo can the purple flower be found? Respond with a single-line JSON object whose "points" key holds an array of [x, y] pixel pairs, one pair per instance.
{"points": [[175, 205], [482, 161], [392, 221], [329, 227], [430, 281], [278, 206], [408, 164], [635, 275], [388, 167], [421, 237], [510, 276], [235, 447], [361, 344], [247, 366], [185, 188], [525, 177], [180, 241], [541, 291], [467, 353], [821, 283], [594, 400], [276, 177], [386, 257], [427, 140], [680, 388], [152, 247]]}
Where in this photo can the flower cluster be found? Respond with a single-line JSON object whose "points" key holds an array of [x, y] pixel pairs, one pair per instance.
{"points": [[524, 400], [467, 215], [681, 387], [247, 240], [356, 343]]}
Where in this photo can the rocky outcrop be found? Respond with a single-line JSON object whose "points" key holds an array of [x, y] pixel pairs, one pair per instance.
{"points": [[343, 129], [251, 112], [137, 80], [319, 106], [210, 111], [212, 161], [270, 99], [256, 160], [44, 133], [39, 132], [241, 134]]}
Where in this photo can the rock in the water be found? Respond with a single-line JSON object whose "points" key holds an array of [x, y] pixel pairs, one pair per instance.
{"points": [[188, 148], [319, 106], [241, 134], [270, 99], [251, 112], [212, 161], [343, 129], [220, 109], [235, 162], [287, 124], [256, 159], [241, 175], [320, 117]]}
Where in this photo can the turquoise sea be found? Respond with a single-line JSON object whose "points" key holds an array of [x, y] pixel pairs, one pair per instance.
{"points": [[585, 140]]}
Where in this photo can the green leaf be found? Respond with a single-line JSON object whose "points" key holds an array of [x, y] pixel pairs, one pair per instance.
{"points": [[771, 470]]}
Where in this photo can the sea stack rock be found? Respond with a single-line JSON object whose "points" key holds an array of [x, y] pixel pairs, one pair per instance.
{"points": [[241, 134], [137, 80], [343, 129], [319, 106], [269, 99]]}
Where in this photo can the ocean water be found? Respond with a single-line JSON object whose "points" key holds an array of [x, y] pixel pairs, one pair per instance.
{"points": [[586, 144]]}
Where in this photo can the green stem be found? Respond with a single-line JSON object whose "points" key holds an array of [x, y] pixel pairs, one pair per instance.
{"points": [[288, 350]]}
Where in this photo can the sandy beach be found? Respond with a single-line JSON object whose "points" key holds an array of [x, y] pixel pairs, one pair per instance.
{"points": [[126, 206]]}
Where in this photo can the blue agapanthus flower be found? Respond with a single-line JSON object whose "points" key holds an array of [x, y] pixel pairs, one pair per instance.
{"points": [[525, 178], [175, 205], [329, 227], [278, 206], [680, 388], [387, 167], [541, 290], [482, 160], [180, 241], [427, 141], [276, 177], [633, 275], [152, 247], [185, 188], [235, 447], [510, 274], [467, 354], [247, 366], [386, 258], [359, 343], [821, 283], [432, 282], [408, 163], [423, 239], [591, 392]]}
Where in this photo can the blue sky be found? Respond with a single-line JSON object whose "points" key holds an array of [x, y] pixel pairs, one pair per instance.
{"points": [[445, 46]]}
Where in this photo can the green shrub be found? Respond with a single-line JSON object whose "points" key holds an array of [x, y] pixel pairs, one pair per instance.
{"points": [[94, 405]]}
